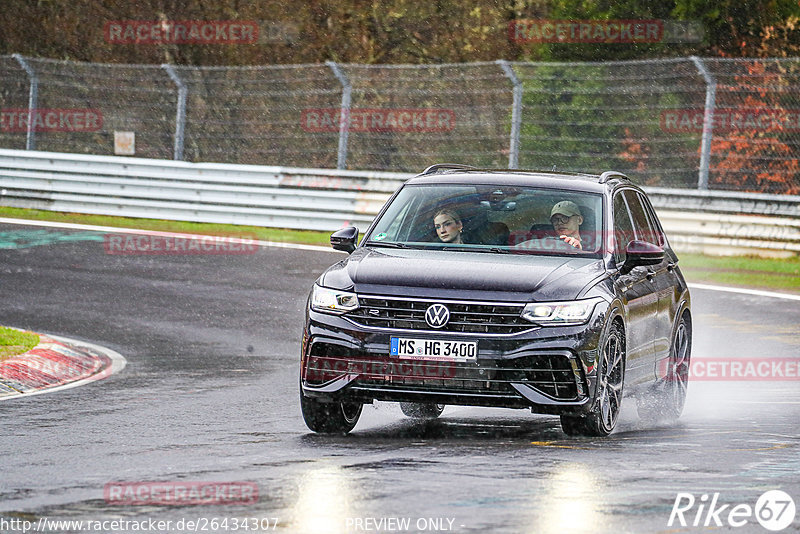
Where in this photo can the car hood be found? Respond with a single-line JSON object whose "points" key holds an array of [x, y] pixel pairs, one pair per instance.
{"points": [[463, 275]]}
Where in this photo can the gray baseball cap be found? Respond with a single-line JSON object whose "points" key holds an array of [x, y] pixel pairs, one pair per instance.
{"points": [[566, 207]]}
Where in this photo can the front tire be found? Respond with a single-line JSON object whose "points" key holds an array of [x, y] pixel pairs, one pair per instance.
{"points": [[422, 410], [338, 417], [602, 419]]}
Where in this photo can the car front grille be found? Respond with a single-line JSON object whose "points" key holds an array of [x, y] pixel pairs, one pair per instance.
{"points": [[465, 317], [550, 374]]}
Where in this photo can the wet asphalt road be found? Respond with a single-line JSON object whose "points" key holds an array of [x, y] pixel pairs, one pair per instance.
{"points": [[210, 394]]}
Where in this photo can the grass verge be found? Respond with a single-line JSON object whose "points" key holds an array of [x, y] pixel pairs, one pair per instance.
{"points": [[741, 271], [13, 342]]}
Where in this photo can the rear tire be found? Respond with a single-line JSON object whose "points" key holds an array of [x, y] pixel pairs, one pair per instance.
{"points": [[602, 419], [422, 410], [669, 395], [329, 417]]}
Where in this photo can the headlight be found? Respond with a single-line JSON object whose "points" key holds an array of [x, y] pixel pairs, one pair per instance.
{"points": [[332, 300], [560, 313]]}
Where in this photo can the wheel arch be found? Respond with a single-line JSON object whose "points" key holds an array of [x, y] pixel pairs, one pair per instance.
{"points": [[686, 313], [616, 314]]}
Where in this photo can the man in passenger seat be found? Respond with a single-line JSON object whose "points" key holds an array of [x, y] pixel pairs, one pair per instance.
{"points": [[566, 219]]}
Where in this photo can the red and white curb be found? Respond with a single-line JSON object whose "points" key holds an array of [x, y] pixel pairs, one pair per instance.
{"points": [[56, 363]]}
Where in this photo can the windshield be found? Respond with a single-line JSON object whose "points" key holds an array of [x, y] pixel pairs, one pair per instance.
{"points": [[492, 219]]}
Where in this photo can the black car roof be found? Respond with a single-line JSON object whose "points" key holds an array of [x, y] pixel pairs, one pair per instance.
{"points": [[532, 178]]}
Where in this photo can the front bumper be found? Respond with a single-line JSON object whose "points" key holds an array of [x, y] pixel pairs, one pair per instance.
{"points": [[549, 369]]}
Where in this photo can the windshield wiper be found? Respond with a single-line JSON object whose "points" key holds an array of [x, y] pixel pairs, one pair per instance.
{"points": [[496, 250], [388, 244]]}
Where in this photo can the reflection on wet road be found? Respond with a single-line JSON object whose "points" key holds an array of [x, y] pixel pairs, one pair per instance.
{"points": [[210, 394]]}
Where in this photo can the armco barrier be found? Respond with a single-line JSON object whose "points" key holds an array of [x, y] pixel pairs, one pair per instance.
{"points": [[325, 199], [730, 234], [312, 199]]}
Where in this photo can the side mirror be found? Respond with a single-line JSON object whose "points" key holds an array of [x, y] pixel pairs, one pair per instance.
{"points": [[345, 239], [640, 253]]}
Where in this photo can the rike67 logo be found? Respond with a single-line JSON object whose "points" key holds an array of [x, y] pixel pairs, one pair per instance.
{"points": [[774, 510]]}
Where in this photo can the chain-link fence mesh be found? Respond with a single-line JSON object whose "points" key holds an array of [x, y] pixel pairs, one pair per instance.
{"points": [[646, 118], [253, 114], [755, 141], [608, 116], [466, 116], [140, 99], [14, 91]]}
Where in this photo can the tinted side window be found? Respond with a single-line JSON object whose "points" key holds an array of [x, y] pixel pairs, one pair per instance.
{"points": [[623, 229], [661, 239], [641, 224]]}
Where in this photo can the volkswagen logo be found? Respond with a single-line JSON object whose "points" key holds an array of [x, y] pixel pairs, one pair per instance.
{"points": [[437, 315]]}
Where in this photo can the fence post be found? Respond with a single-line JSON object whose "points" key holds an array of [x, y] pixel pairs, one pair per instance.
{"points": [[516, 113], [33, 101], [708, 122], [180, 114], [344, 114]]}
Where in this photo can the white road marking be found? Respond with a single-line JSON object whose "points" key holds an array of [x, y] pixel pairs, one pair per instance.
{"points": [[317, 248], [118, 362], [758, 292]]}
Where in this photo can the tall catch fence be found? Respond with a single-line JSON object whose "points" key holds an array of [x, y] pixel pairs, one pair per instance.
{"points": [[720, 124]]}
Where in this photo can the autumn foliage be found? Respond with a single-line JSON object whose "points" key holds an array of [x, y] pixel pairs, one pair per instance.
{"points": [[754, 158]]}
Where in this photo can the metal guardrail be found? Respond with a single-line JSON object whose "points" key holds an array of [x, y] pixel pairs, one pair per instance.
{"points": [[310, 199], [726, 234], [725, 202], [327, 199]]}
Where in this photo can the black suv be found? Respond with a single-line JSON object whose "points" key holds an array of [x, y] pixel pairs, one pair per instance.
{"points": [[552, 291]]}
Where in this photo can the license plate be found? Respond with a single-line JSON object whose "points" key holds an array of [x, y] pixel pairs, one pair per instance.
{"points": [[433, 349]]}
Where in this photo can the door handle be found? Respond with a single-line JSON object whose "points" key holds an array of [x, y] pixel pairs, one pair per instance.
{"points": [[651, 276], [671, 267]]}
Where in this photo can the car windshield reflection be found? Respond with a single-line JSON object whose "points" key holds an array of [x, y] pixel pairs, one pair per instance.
{"points": [[491, 219]]}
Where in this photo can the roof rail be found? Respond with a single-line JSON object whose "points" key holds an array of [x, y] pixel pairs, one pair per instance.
{"points": [[436, 167], [546, 171], [606, 176]]}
